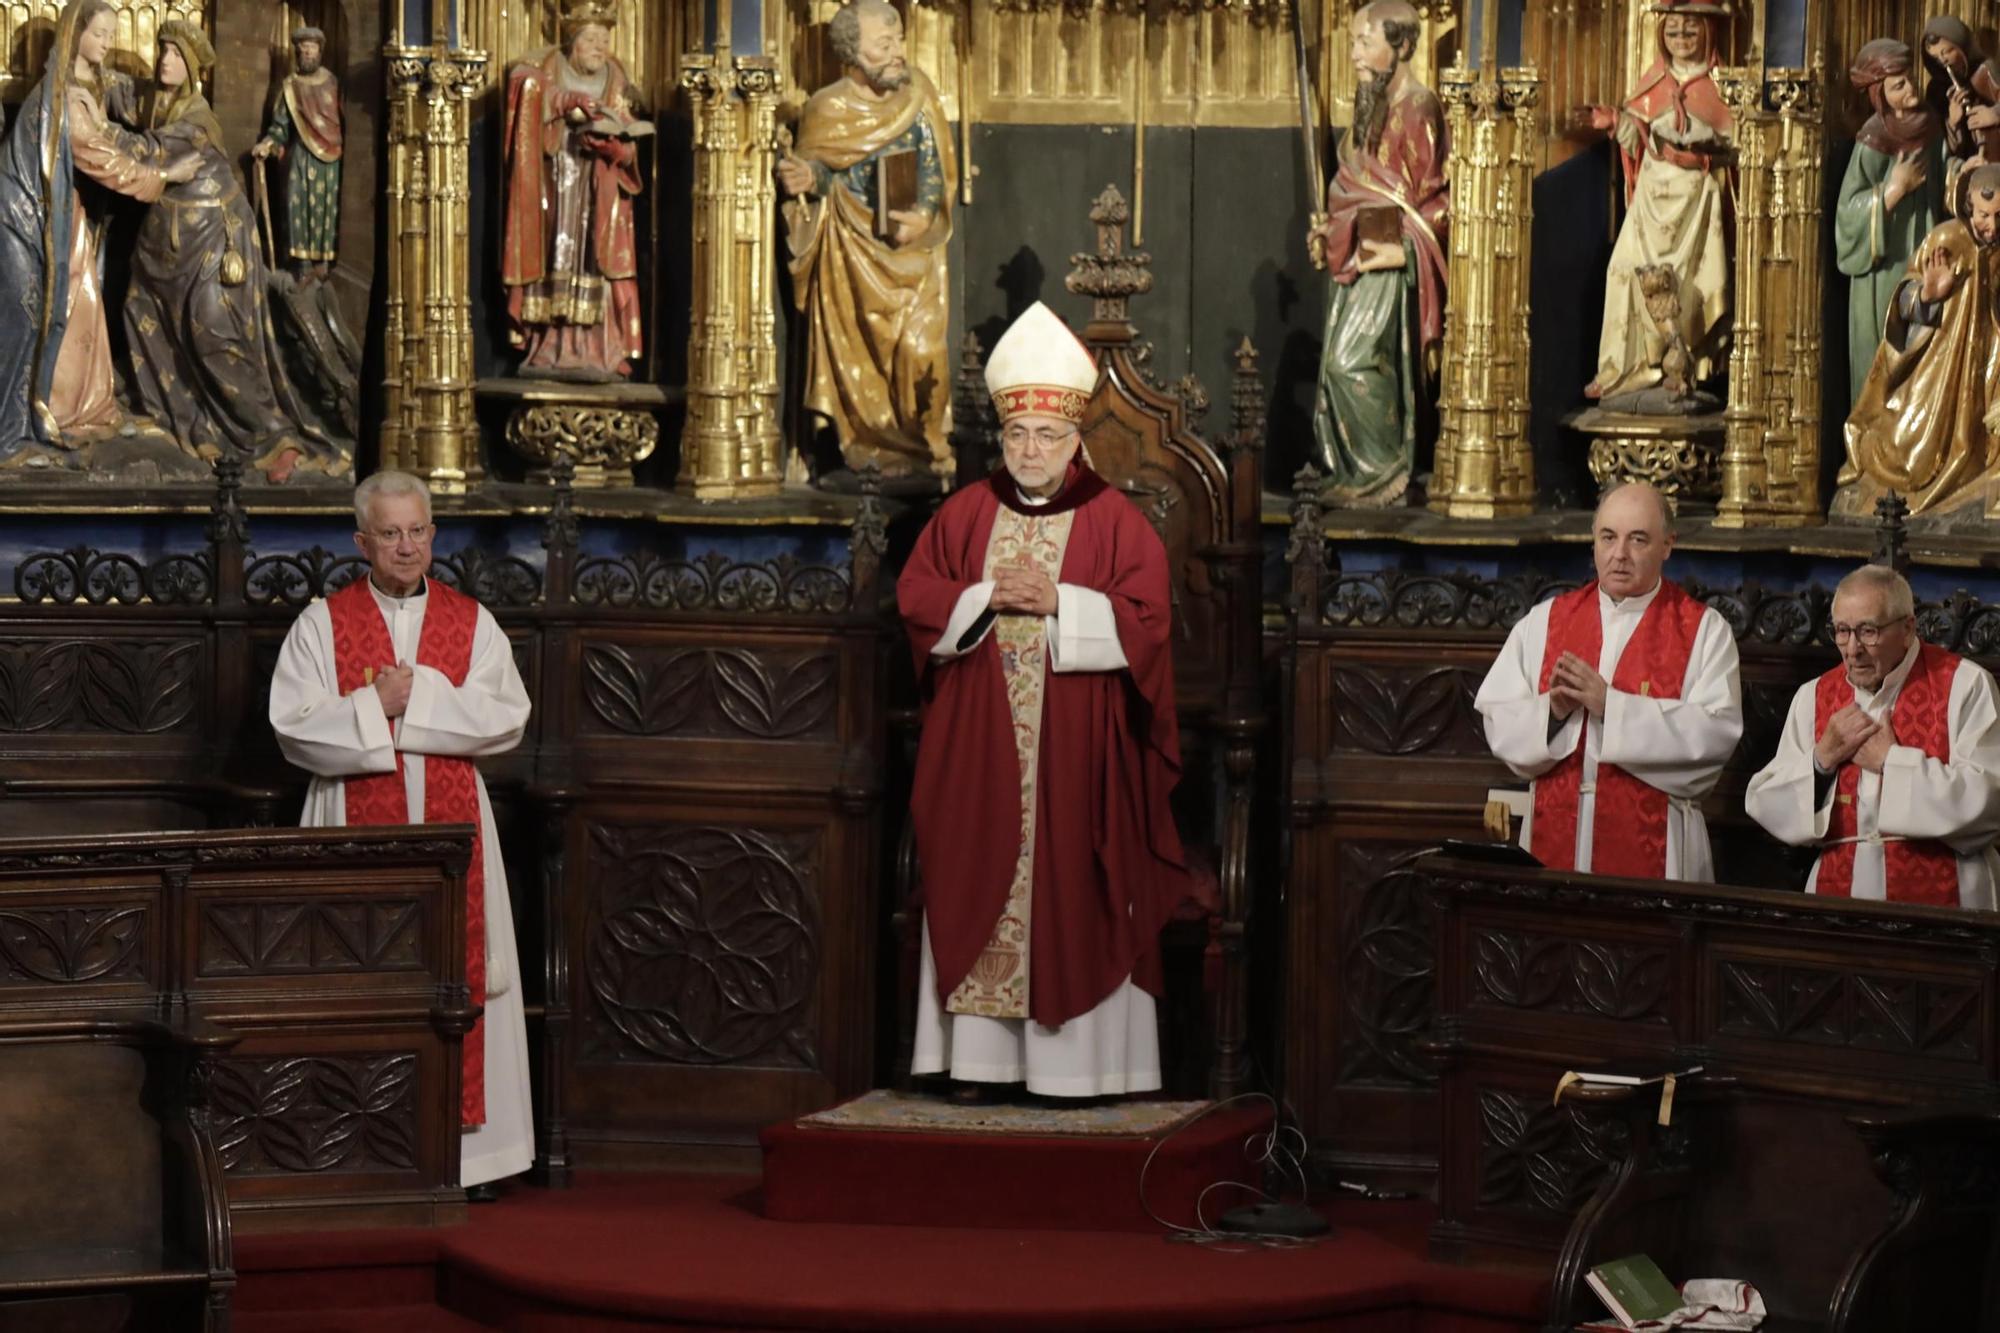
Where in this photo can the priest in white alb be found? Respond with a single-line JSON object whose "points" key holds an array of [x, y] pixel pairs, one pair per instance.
{"points": [[1890, 762], [386, 692], [1621, 702], [1039, 613]]}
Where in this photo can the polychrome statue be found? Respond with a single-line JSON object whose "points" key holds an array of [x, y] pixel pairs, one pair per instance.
{"points": [[1383, 241], [306, 131], [868, 189]]}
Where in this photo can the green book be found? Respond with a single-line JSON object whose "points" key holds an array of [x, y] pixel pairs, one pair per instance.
{"points": [[1634, 1289]]}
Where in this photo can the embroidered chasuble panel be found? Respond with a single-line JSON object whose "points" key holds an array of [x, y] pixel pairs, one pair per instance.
{"points": [[997, 986]]}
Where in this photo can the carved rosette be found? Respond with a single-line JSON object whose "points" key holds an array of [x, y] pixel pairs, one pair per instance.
{"points": [[603, 441]]}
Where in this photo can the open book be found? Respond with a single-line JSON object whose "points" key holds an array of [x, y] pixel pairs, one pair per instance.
{"points": [[615, 128]]}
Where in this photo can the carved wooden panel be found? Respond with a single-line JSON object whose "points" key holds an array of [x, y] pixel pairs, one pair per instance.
{"points": [[701, 946], [328, 1114], [69, 945], [1527, 970], [1406, 710], [278, 938], [1387, 966], [1535, 1157], [765, 693], [1858, 1010], [133, 687]]}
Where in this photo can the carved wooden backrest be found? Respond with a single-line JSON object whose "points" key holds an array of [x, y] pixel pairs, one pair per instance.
{"points": [[1141, 439]]}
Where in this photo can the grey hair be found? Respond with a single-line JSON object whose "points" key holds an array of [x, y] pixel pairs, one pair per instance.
{"points": [[379, 484], [1898, 602], [844, 28]]}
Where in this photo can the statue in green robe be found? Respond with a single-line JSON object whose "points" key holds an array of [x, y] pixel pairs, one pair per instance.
{"points": [[1891, 197]]}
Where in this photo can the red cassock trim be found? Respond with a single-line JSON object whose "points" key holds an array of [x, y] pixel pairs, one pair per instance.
{"points": [[1918, 870], [1629, 829], [362, 647]]}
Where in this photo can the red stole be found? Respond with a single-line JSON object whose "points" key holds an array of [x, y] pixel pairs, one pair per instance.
{"points": [[1630, 821], [1919, 870], [361, 648]]}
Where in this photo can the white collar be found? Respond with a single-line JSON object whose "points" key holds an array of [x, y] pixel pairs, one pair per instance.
{"points": [[1634, 605], [391, 602]]}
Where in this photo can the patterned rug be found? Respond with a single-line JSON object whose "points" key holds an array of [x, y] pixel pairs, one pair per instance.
{"points": [[887, 1109]]}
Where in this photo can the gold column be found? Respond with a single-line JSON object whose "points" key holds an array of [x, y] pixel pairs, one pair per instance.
{"points": [[1770, 455], [1485, 467], [731, 447], [428, 426]]}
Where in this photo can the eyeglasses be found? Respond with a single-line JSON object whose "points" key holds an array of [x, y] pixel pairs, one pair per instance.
{"points": [[1020, 437], [1866, 633], [416, 532]]}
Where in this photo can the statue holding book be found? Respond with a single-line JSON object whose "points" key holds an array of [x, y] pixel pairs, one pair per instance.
{"points": [[868, 213], [569, 257], [1383, 240]]}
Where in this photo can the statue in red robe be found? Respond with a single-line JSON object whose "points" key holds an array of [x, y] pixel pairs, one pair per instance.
{"points": [[1038, 607], [1673, 142], [570, 256], [1382, 239]]}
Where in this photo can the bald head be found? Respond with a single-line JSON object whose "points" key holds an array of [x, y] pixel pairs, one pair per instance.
{"points": [[1631, 535]]}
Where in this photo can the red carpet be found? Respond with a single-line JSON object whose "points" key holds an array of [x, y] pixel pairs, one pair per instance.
{"points": [[622, 1252], [1007, 1180]]}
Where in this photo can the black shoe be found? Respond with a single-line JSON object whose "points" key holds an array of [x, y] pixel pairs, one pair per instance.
{"points": [[487, 1193]]}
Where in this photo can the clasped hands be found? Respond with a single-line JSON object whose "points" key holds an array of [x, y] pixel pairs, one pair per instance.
{"points": [[1020, 590], [1575, 684], [392, 688], [1853, 736]]}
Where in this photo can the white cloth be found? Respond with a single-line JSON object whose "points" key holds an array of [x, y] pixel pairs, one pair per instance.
{"points": [[1082, 634], [1114, 1048], [1914, 796], [1676, 745], [335, 737]]}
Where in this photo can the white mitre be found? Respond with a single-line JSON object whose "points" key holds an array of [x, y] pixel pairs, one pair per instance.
{"points": [[1039, 368]]}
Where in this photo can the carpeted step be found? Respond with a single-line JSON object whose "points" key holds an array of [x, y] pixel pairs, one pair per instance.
{"points": [[371, 1319], [890, 1159]]}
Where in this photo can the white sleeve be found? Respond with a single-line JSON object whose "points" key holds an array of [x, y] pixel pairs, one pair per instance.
{"points": [[486, 715], [1083, 633], [1516, 712], [1958, 801], [322, 732], [1679, 746], [965, 613], [1780, 795]]}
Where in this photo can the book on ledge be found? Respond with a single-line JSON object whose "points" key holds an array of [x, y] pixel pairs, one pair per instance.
{"points": [[1634, 1289], [895, 188]]}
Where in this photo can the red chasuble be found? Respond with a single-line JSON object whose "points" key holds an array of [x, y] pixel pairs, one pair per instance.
{"points": [[1629, 830], [361, 649], [1917, 870], [1108, 867]]}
